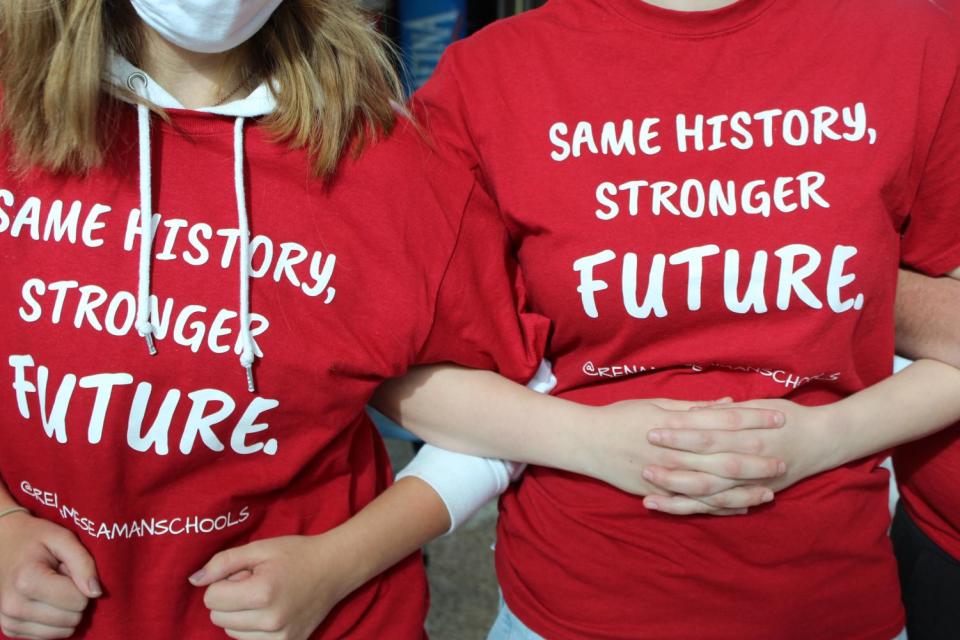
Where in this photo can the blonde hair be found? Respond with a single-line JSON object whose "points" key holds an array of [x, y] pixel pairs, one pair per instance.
{"points": [[335, 76]]}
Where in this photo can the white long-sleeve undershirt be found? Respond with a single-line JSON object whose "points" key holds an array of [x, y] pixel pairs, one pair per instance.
{"points": [[466, 483]]}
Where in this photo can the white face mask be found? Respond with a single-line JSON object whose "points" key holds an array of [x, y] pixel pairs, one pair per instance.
{"points": [[206, 26]]}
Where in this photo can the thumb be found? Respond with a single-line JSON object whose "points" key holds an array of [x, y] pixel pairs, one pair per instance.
{"points": [[225, 564], [75, 562]]}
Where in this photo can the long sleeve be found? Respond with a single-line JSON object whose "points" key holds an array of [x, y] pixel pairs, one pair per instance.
{"points": [[466, 483]]}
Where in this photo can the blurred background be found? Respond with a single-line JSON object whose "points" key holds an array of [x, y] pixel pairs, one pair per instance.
{"points": [[424, 28]]}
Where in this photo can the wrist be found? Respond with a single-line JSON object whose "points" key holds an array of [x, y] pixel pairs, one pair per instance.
{"points": [[836, 429], [12, 515], [339, 567], [573, 438]]}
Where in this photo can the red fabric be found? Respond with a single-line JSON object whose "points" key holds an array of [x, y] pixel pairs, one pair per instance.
{"points": [[927, 470], [397, 221], [576, 558], [927, 473]]}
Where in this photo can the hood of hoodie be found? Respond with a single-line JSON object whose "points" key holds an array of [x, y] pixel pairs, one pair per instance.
{"points": [[123, 74]]}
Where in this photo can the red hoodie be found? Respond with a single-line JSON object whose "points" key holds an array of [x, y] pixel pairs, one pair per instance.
{"points": [[157, 463]]}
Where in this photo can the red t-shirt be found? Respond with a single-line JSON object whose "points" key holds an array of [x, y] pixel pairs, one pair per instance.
{"points": [[708, 204], [927, 471], [157, 463]]}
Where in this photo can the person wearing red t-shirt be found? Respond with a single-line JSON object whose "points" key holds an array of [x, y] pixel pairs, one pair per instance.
{"points": [[202, 288], [926, 527], [707, 202]]}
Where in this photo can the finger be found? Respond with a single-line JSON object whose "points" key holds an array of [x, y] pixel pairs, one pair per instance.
{"points": [[79, 563], [14, 628], [225, 564], [744, 497], [706, 441], [40, 612], [240, 575], [263, 620], [251, 635], [684, 506], [735, 466], [239, 595], [725, 419], [686, 405], [41, 583], [688, 483]]}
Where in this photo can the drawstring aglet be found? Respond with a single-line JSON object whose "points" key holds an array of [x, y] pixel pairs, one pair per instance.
{"points": [[150, 344], [251, 385]]}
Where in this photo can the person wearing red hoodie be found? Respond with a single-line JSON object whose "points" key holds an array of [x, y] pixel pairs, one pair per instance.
{"points": [[217, 239]]}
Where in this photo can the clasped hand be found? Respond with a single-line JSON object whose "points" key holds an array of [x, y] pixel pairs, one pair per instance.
{"points": [[715, 458]]}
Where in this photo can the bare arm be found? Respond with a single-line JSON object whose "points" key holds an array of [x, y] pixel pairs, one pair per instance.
{"points": [[928, 317], [482, 414], [920, 400], [286, 586]]}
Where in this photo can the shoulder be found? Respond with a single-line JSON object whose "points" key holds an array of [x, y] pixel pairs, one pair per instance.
{"points": [[514, 38], [917, 22], [405, 174]]}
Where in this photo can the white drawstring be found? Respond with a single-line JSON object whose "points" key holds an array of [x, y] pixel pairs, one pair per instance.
{"points": [[144, 326], [247, 353]]}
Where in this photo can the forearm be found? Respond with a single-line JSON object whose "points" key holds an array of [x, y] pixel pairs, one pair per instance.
{"points": [[396, 524], [464, 483], [920, 400], [927, 315], [483, 414]]}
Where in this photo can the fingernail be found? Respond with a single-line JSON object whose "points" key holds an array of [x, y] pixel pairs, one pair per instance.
{"points": [[648, 474], [197, 577], [782, 468], [654, 437], [94, 586], [767, 497], [742, 512], [779, 419], [725, 400], [652, 506]]}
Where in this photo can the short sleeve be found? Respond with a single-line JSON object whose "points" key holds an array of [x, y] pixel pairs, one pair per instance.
{"points": [[931, 239], [439, 107], [481, 319], [480, 316]]}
